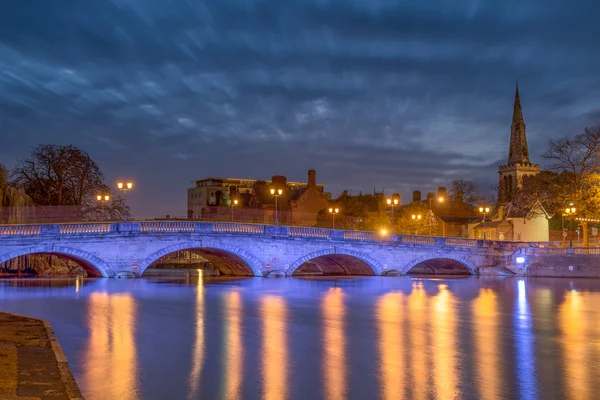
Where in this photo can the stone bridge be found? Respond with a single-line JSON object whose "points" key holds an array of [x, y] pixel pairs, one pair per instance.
{"points": [[118, 249]]}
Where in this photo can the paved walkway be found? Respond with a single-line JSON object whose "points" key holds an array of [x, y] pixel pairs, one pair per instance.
{"points": [[32, 363]]}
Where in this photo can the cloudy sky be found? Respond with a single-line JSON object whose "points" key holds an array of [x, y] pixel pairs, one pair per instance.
{"points": [[395, 94]]}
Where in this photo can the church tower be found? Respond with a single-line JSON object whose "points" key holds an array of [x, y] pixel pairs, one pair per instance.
{"points": [[515, 173]]}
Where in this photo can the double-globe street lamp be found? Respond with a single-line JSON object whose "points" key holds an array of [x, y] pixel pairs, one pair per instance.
{"points": [[570, 213], [484, 211], [416, 217], [125, 187], [102, 198], [333, 211], [276, 193]]}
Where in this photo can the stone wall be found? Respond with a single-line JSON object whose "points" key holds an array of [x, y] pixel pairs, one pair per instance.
{"points": [[565, 265]]}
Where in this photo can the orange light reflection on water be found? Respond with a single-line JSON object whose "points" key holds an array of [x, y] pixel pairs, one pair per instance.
{"points": [[417, 316], [234, 349], [334, 344], [574, 327], [111, 359], [486, 325], [390, 319], [273, 312], [443, 326]]}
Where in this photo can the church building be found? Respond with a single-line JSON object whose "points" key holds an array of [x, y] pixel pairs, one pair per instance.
{"points": [[508, 223]]}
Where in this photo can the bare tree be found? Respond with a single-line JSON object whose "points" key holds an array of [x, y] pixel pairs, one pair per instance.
{"points": [[465, 189]]}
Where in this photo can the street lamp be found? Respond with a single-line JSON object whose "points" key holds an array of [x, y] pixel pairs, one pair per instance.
{"points": [[430, 218], [392, 203], [416, 217], [276, 193], [570, 212], [125, 187], [333, 211], [102, 198], [484, 211], [233, 203]]}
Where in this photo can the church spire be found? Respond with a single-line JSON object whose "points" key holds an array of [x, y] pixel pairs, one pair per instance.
{"points": [[518, 152]]}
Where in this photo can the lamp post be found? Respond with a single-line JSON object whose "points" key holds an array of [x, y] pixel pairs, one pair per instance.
{"points": [[125, 187], [440, 200], [416, 217], [233, 203], [484, 211], [392, 203], [276, 193], [570, 212], [102, 198], [333, 211]]}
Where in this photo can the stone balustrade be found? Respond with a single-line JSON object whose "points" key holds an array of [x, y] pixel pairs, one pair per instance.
{"points": [[254, 229], [461, 242], [83, 228], [167, 226], [310, 232], [19, 230], [238, 228], [418, 239]]}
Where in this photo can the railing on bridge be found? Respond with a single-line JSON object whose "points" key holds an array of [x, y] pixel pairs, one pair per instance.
{"points": [[310, 232], [238, 228], [17, 230], [167, 226], [256, 229], [83, 228]]}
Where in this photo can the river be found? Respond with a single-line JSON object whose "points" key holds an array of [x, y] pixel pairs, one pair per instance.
{"points": [[355, 338]]}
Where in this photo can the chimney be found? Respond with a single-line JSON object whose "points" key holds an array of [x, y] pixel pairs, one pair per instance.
{"points": [[416, 195], [312, 177], [430, 196], [442, 192], [459, 198]]}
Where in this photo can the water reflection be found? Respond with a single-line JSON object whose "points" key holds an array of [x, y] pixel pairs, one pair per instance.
{"points": [[111, 360], [443, 326], [419, 338], [486, 325], [525, 351], [390, 319], [575, 345], [234, 349], [334, 344], [198, 348], [274, 348], [417, 302]]}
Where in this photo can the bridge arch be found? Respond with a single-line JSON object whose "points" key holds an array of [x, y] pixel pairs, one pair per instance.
{"points": [[89, 261], [230, 254], [373, 264], [463, 262]]}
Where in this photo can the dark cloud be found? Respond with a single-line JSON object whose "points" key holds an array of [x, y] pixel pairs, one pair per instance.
{"points": [[400, 95]]}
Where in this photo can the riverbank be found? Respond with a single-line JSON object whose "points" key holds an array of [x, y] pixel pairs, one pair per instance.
{"points": [[32, 362]]}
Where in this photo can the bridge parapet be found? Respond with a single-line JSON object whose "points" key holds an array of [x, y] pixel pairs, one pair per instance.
{"points": [[238, 228], [167, 226], [310, 232], [18, 230], [83, 228]]}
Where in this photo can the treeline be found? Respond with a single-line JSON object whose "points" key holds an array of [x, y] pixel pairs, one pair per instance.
{"points": [[56, 182]]}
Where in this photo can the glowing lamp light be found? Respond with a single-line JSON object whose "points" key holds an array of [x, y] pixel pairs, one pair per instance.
{"points": [[520, 260], [383, 232], [99, 198], [235, 202]]}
